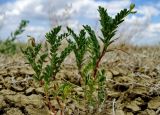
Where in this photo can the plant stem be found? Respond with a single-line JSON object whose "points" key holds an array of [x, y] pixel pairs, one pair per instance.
{"points": [[62, 108], [98, 61], [81, 75], [49, 103], [41, 82]]}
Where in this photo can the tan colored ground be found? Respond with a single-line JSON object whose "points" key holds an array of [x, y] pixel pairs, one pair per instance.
{"points": [[133, 86]]}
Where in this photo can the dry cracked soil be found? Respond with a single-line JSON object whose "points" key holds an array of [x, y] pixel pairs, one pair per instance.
{"points": [[133, 84]]}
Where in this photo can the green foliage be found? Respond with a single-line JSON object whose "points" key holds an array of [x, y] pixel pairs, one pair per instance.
{"points": [[46, 73], [9, 46], [31, 54], [55, 61], [86, 43], [19, 30], [37, 58], [93, 48], [80, 46], [65, 90], [101, 87], [109, 24], [92, 75]]}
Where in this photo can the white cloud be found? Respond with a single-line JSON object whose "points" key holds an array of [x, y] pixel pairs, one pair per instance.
{"points": [[88, 8], [16, 8], [80, 12], [154, 27], [148, 11], [1, 17], [139, 28]]}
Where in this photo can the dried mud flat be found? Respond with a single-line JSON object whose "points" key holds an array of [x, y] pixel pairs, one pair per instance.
{"points": [[133, 85]]}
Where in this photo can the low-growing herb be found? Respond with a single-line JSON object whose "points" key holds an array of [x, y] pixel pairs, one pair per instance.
{"points": [[9, 46], [88, 53]]}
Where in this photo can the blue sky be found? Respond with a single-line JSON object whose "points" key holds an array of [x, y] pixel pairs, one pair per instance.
{"points": [[142, 28], [154, 3], [5, 1]]}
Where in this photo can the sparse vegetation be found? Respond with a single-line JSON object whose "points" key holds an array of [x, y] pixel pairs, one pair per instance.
{"points": [[76, 73], [9, 46], [93, 79]]}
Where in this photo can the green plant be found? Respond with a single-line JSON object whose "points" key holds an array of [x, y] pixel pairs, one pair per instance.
{"points": [[8, 46], [93, 77], [36, 57], [80, 47], [88, 53]]}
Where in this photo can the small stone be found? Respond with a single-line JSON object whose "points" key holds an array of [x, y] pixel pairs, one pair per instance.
{"points": [[40, 90], [30, 90], [55, 104], [129, 113], [7, 82], [120, 112], [27, 70], [142, 113], [2, 102], [114, 94], [138, 101], [7, 92], [1, 86], [109, 75], [22, 100], [35, 100], [115, 73], [154, 103], [150, 112], [123, 71], [17, 88], [37, 111], [140, 90], [14, 111], [16, 99], [78, 89], [19, 78], [13, 70], [133, 106], [3, 72]]}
